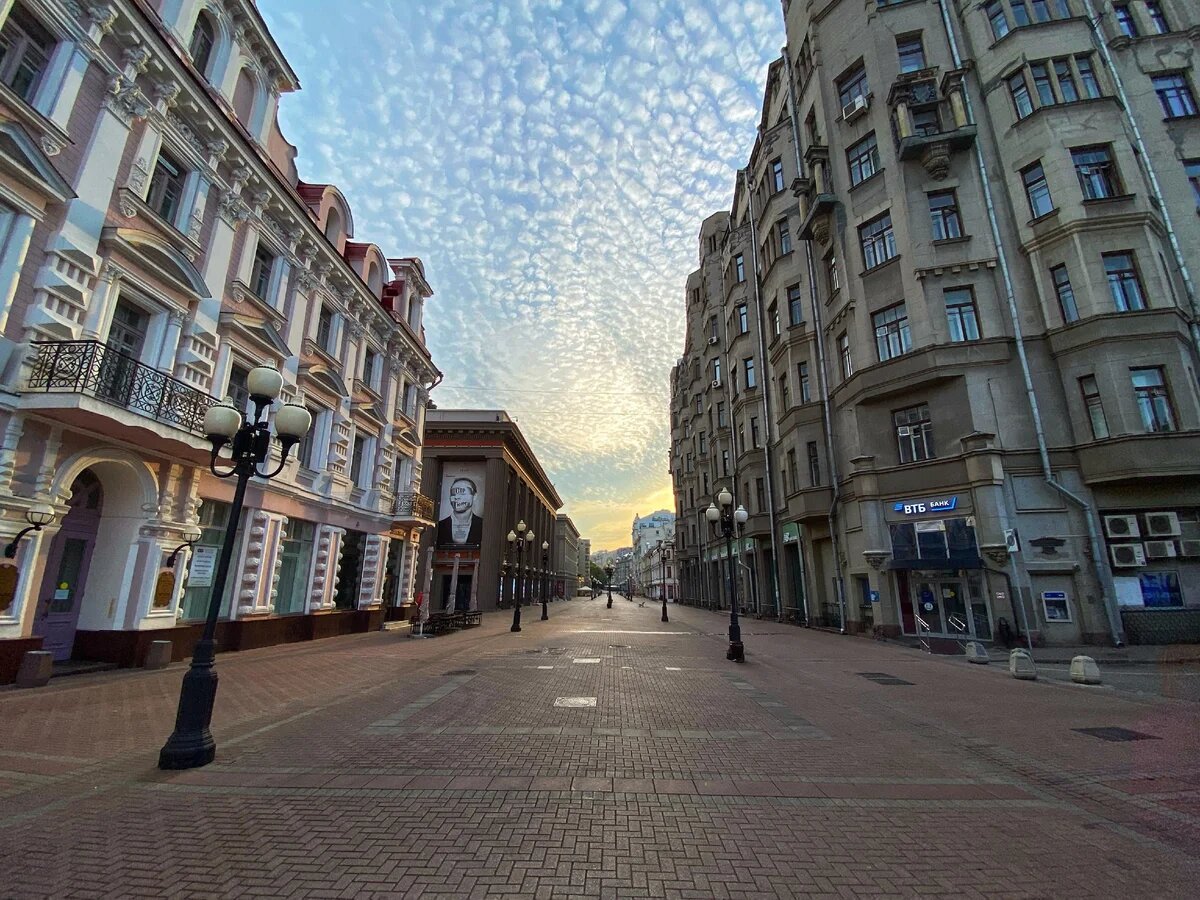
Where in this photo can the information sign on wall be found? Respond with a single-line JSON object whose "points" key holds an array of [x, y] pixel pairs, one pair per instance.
{"points": [[204, 565]]}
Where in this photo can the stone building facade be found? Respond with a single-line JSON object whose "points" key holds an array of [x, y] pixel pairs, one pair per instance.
{"points": [[157, 244], [943, 346]]}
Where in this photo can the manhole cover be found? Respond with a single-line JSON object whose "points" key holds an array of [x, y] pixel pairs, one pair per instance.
{"points": [[883, 678], [1117, 734], [460, 672], [575, 702]]}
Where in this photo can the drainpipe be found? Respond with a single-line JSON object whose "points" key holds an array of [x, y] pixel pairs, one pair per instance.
{"points": [[769, 444], [1188, 286], [822, 381], [1100, 567]]}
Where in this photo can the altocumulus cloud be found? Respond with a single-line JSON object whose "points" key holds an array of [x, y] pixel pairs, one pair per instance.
{"points": [[550, 161]]}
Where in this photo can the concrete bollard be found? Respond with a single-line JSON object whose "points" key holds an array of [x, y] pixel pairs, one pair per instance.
{"points": [[158, 655], [1084, 670], [36, 668], [977, 653], [1020, 665]]}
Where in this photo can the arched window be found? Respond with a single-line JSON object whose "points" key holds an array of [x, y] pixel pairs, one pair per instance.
{"points": [[333, 225], [375, 280], [243, 97], [204, 38]]}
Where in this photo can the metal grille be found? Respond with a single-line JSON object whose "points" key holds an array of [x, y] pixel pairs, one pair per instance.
{"points": [[411, 505], [97, 370]]}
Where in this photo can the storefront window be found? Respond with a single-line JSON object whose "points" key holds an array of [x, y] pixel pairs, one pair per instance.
{"points": [[934, 539], [295, 559], [1160, 589], [202, 569], [349, 570]]}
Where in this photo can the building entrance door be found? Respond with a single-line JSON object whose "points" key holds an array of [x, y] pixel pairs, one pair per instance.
{"points": [[67, 564], [951, 607]]}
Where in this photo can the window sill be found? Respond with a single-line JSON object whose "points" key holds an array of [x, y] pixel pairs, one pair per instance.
{"points": [[948, 242], [132, 206], [883, 265], [1082, 101], [240, 291], [1189, 117], [1049, 23], [883, 7], [1038, 220], [867, 180], [1101, 201]]}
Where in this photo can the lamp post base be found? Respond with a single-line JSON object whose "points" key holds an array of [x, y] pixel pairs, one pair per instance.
{"points": [[545, 612], [516, 625], [737, 652], [610, 601], [664, 615], [191, 744]]}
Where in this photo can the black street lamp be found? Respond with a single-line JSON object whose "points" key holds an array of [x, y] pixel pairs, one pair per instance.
{"points": [[191, 744], [662, 564], [518, 540], [608, 570], [726, 520], [545, 579], [38, 516]]}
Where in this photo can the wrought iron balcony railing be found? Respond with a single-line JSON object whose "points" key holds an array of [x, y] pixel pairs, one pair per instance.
{"points": [[412, 505], [97, 370]]}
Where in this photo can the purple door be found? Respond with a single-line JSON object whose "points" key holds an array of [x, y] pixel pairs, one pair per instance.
{"points": [[67, 567]]}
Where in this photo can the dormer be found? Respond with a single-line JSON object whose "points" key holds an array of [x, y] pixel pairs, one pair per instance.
{"points": [[329, 209], [405, 296], [369, 263]]}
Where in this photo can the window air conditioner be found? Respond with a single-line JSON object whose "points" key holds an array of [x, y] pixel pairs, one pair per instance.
{"points": [[854, 108], [1160, 549], [1189, 548], [1126, 556], [1162, 524], [712, 340], [1121, 526], [716, 382]]}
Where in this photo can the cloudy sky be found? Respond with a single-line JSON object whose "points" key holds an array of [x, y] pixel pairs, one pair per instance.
{"points": [[551, 162]]}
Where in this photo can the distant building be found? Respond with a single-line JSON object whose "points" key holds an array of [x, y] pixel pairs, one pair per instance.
{"points": [[565, 558]]}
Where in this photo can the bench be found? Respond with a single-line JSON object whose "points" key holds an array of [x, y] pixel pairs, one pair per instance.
{"points": [[471, 618], [437, 623]]}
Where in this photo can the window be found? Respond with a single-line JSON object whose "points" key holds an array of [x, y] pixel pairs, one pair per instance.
{"points": [[961, 314], [777, 175], [25, 48], [754, 435], [166, 187], [785, 399], [1065, 293], [793, 468], [1123, 281], [892, 336], [739, 268], [1157, 19], [844, 355], [1094, 407], [796, 307], [1191, 168], [926, 122], [877, 240], [863, 159], [1097, 174], [1020, 94], [914, 433], [370, 364], [1174, 95], [307, 452], [712, 327], [805, 390], [773, 315], [1043, 84], [1150, 391], [911, 53], [1066, 80], [725, 463], [721, 420], [357, 452], [1019, 12], [1041, 10], [1125, 21], [703, 448], [717, 370], [1091, 87], [814, 464], [260, 273], [295, 554], [751, 379], [741, 437], [743, 319], [831, 267], [853, 86], [760, 495], [785, 237], [325, 330], [204, 38], [995, 13], [943, 216], [1036, 190], [237, 390]]}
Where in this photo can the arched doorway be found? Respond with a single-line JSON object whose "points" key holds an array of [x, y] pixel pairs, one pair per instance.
{"points": [[67, 565]]}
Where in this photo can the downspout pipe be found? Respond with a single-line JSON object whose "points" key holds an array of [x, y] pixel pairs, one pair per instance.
{"points": [[765, 393], [822, 380], [1101, 570]]}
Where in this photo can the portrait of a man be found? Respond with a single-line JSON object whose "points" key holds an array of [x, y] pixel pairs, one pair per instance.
{"points": [[462, 501]]}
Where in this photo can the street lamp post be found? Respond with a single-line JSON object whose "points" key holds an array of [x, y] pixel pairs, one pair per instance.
{"points": [[191, 744], [662, 564], [608, 570], [726, 520], [518, 540], [545, 579], [38, 516]]}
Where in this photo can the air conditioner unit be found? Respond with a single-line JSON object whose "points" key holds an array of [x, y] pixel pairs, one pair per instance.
{"points": [[854, 108], [1162, 524], [1189, 548], [904, 431], [1127, 556], [712, 340], [1160, 549], [1121, 526], [716, 382]]}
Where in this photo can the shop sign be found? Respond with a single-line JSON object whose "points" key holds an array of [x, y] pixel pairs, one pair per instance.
{"points": [[203, 566], [164, 589], [919, 507], [791, 533]]}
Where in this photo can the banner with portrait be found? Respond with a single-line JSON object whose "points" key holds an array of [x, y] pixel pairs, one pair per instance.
{"points": [[461, 505]]}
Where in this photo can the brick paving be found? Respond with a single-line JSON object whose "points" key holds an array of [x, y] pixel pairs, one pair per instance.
{"points": [[380, 766]]}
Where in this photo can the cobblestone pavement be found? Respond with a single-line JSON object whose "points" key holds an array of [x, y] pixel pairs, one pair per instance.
{"points": [[601, 754]]}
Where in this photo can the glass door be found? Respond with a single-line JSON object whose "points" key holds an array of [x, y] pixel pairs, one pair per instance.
{"points": [[126, 338], [929, 607], [954, 608]]}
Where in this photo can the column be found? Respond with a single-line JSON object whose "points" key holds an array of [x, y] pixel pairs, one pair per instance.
{"points": [[170, 345], [328, 552], [257, 579], [104, 298], [11, 265], [372, 567]]}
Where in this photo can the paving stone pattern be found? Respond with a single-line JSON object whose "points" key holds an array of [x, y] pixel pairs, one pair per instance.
{"points": [[380, 766]]}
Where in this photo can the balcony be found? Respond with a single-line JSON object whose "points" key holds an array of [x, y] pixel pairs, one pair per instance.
{"points": [[815, 194], [412, 507], [89, 369], [929, 119]]}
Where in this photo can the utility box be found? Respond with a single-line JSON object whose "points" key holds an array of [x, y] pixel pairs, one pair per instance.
{"points": [[158, 655]]}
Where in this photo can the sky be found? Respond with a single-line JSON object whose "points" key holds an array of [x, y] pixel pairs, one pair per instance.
{"points": [[550, 161]]}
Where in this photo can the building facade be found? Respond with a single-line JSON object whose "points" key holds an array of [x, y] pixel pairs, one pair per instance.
{"points": [[943, 346], [486, 480], [568, 577], [158, 244]]}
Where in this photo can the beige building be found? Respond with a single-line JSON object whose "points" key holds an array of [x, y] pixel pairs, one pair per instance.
{"points": [[157, 243], [943, 347]]}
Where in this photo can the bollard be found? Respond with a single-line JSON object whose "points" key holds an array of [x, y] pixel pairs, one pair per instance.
{"points": [[158, 655], [1020, 665], [977, 653], [1084, 670], [36, 668]]}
